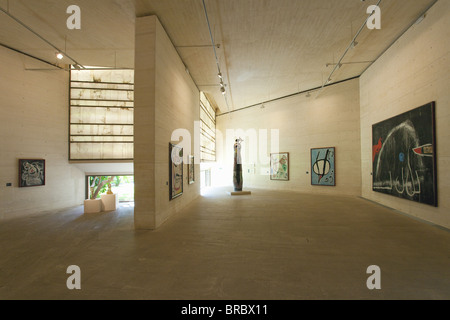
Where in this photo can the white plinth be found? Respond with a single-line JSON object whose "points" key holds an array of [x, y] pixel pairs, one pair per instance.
{"points": [[110, 202], [240, 193], [92, 206]]}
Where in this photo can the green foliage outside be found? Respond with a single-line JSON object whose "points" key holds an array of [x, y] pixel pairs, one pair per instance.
{"points": [[123, 185]]}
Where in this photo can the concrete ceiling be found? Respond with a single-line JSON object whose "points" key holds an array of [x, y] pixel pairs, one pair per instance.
{"points": [[266, 49]]}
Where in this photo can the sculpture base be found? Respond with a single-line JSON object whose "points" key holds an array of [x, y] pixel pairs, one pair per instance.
{"points": [[92, 206], [240, 193]]}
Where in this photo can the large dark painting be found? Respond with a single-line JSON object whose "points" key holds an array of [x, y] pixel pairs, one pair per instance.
{"points": [[404, 156]]}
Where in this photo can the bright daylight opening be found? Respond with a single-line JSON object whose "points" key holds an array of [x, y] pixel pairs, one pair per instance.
{"points": [[123, 186]]}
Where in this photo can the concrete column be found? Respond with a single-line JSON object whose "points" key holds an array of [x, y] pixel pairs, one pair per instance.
{"points": [[144, 126]]}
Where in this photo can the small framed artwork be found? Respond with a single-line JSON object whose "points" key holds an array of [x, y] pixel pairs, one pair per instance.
{"points": [[323, 172], [279, 166], [191, 170], [31, 173], [176, 171]]}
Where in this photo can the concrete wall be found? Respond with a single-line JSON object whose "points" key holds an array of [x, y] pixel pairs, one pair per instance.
{"points": [[34, 124], [328, 120], [412, 73], [166, 100]]}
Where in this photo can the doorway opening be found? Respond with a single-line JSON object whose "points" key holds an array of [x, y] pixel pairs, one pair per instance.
{"points": [[205, 176], [123, 186]]}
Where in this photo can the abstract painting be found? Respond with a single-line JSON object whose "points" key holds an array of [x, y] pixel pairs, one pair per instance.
{"points": [[404, 156], [176, 171], [31, 173], [191, 170], [279, 166], [323, 164]]}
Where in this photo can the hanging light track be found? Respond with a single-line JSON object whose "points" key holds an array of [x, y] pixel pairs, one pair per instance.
{"points": [[219, 72], [350, 46], [58, 51]]}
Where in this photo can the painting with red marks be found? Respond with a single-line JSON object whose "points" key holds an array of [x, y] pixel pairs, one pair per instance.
{"points": [[404, 156], [377, 149]]}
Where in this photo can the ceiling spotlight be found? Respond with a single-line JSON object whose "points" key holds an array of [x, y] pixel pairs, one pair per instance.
{"points": [[222, 89], [59, 55], [338, 66], [220, 75], [354, 44], [421, 18]]}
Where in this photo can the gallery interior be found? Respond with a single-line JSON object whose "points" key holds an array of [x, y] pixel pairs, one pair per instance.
{"points": [[224, 149]]}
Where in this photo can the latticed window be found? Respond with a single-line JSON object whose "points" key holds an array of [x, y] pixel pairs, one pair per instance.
{"points": [[207, 130], [101, 114]]}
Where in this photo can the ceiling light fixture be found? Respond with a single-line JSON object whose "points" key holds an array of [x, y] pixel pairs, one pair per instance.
{"points": [[352, 62], [59, 55], [421, 18]]}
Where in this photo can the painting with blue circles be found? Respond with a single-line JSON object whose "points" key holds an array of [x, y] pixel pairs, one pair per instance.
{"points": [[404, 156], [323, 168]]}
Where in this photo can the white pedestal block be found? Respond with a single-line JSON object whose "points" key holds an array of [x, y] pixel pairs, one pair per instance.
{"points": [[240, 193], [110, 202], [92, 206]]}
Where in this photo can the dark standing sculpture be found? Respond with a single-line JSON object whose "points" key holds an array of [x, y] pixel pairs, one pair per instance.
{"points": [[237, 172]]}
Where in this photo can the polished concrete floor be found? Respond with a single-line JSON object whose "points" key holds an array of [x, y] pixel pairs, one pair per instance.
{"points": [[267, 246]]}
